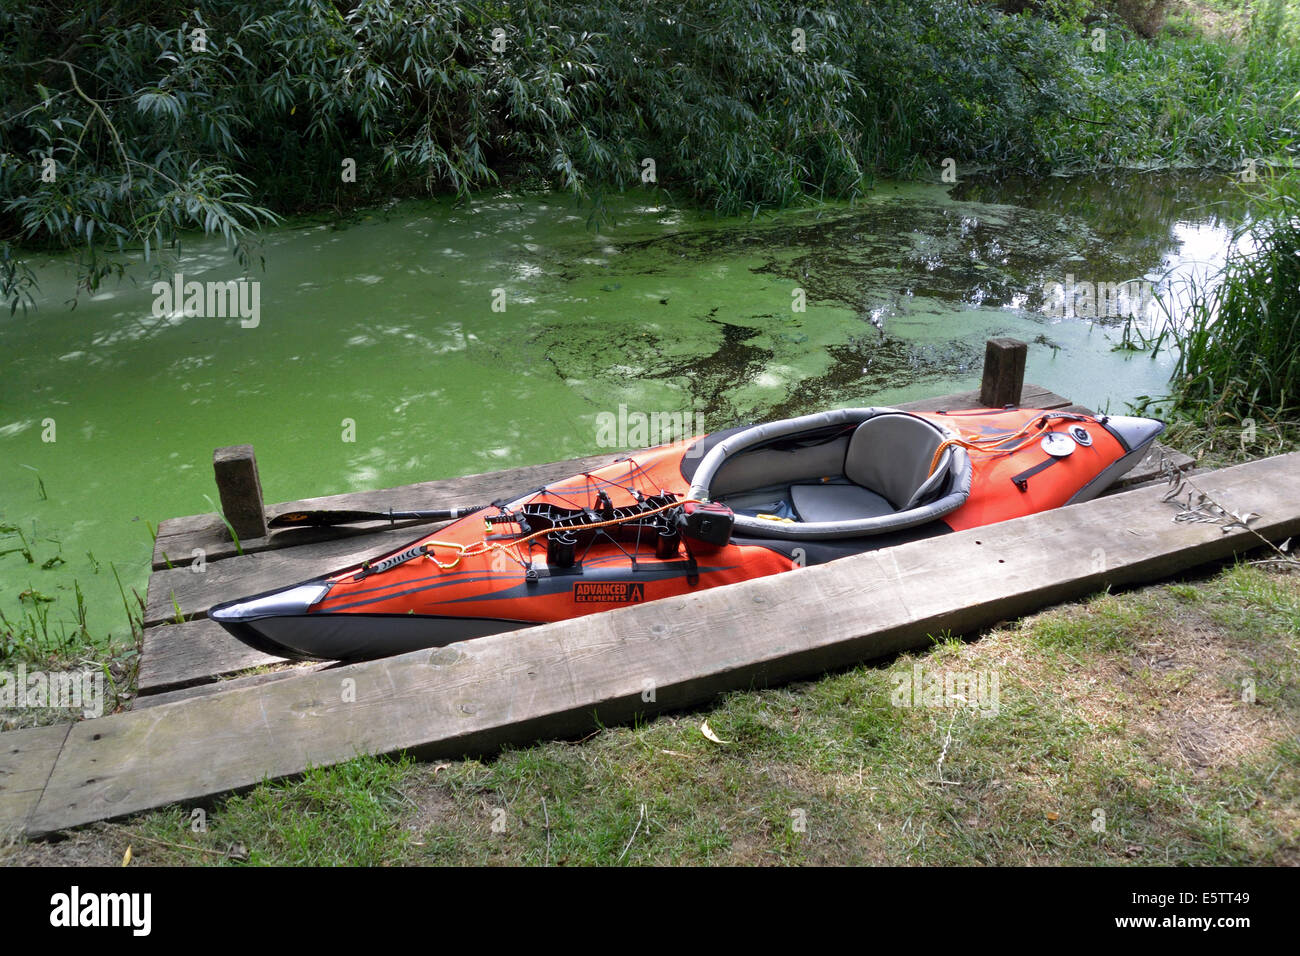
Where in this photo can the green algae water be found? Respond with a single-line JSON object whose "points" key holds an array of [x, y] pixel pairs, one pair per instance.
{"points": [[435, 339]]}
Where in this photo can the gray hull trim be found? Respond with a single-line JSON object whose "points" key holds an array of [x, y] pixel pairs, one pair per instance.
{"points": [[1112, 474], [357, 637]]}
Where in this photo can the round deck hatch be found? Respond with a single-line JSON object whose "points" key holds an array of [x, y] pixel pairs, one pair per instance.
{"points": [[1058, 444]]}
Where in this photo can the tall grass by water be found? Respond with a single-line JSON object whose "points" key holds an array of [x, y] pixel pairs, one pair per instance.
{"points": [[1239, 351]]}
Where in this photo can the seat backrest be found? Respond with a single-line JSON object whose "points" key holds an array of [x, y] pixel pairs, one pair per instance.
{"points": [[890, 454]]}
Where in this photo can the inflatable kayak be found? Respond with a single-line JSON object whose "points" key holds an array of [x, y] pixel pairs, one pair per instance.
{"points": [[677, 519]]}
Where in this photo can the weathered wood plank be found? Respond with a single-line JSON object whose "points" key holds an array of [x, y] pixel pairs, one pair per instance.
{"points": [[235, 683], [1032, 396], [178, 655], [557, 678], [179, 537], [1156, 482], [26, 760]]}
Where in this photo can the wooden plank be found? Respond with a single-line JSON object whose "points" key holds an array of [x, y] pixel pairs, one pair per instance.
{"points": [[186, 539], [179, 655], [26, 760], [559, 678], [1155, 482], [1032, 396], [235, 683], [178, 538]]}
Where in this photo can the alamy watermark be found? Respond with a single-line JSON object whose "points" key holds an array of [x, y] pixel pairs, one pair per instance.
{"points": [[645, 429], [1074, 299], [232, 298], [133, 911], [921, 688], [62, 690]]}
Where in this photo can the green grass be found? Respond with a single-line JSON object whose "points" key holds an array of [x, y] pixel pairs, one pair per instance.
{"points": [[1235, 389], [1239, 355], [345, 815], [1129, 704]]}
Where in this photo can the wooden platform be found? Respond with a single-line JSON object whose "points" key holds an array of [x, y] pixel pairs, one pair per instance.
{"points": [[562, 678], [213, 715]]}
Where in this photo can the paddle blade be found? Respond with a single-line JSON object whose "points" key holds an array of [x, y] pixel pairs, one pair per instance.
{"points": [[320, 519]]}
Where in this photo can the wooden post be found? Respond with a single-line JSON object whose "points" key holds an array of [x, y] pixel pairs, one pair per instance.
{"points": [[241, 490], [1004, 372]]}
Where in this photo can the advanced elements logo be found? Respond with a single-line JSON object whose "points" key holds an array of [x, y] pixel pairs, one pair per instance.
{"points": [[611, 592]]}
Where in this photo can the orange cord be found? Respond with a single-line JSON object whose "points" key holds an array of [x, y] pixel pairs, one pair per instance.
{"points": [[483, 547], [979, 444]]}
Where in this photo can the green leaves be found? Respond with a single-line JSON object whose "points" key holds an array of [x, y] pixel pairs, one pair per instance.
{"points": [[742, 105]]}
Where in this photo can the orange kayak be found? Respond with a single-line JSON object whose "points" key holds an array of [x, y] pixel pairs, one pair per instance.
{"points": [[710, 511]]}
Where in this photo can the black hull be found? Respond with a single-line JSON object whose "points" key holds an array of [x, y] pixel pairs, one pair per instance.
{"points": [[359, 637]]}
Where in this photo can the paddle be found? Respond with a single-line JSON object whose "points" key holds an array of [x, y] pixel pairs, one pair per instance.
{"points": [[299, 519]]}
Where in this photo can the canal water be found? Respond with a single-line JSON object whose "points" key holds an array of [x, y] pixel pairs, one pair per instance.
{"points": [[433, 339]]}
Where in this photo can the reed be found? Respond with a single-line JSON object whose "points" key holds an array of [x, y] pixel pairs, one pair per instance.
{"points": [[1239, 348]]}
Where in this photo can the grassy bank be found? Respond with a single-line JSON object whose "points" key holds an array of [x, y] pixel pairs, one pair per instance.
{"points": [[1125, 732], [40, 632]]}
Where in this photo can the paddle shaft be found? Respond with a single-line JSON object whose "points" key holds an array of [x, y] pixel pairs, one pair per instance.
{"points": [[297, 519]]}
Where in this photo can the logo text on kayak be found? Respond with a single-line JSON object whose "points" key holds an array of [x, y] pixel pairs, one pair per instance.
{"points": [[234, 298], [636, 429], [608, 592]]}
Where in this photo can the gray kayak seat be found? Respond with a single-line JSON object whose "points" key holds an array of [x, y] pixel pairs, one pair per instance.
{"points": [[884, 483], [892, 454], [837, 502]]}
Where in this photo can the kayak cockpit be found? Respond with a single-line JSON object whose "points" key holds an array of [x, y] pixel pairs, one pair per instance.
{"points": [[846, 473]]}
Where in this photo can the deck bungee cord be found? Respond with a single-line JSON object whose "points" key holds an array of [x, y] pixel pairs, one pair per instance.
{"points": [[577, 518], [988, 444], [483, 547]]}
